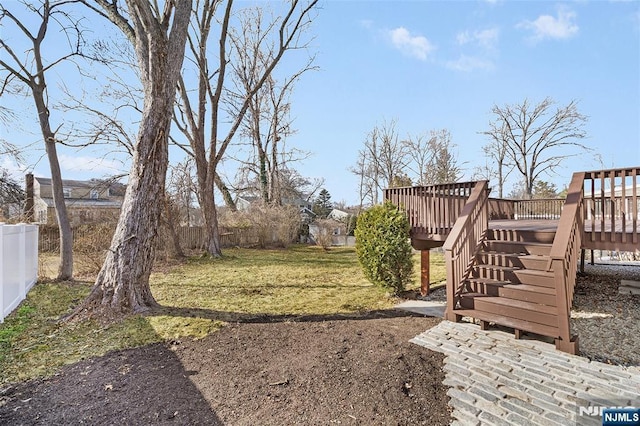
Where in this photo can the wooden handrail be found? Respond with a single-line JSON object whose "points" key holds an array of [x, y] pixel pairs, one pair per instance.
{"points": [[462, 244], [571, 211], [564, 256]]}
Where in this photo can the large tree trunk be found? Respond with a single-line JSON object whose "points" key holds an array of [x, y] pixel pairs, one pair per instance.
{"points": [[213, 233], [210, 216], [122, 286], [171, 226], [65, 267]]}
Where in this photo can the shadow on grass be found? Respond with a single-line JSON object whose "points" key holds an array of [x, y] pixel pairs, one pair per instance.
{"points": [[264, 318]]}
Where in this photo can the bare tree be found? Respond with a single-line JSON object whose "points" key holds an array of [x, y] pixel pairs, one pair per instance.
{"points": [[159, 37], [267, 122], [12, 196], [383, 159], [443, 167], [386, 161], [536, 138], [419, 149], [198, 117], [182, 190], [31, 70], [107, 114], [495, 151]]}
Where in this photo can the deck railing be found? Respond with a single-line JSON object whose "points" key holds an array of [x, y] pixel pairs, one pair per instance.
{"points": [[612, 209], [463, 242], [564, 256], [543, 208], [547, 208], [431, 209]]}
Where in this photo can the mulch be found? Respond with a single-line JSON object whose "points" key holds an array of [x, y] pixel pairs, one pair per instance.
{"points": [[317, 370]]}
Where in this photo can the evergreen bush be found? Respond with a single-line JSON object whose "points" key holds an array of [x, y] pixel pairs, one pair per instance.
{"points": [[383, 248]]}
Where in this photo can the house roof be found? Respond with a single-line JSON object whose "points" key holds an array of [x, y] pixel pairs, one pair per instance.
{"points": [[338, 214], [248, 198], [116, 189]]}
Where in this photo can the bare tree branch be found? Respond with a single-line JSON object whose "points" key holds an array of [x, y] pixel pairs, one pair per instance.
{"points": [[529, 138]]}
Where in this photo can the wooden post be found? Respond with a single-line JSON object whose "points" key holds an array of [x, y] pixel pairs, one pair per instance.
{"points": [[582, 260], [29, 206], [424, 272]]}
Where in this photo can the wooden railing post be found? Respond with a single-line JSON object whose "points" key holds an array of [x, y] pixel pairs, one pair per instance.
{"points": [[449, 313]]}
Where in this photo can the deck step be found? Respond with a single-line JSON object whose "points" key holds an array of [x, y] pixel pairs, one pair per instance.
{"points": [[496, 272], [537, 278], [527, 261], [529, 293], [514, 323], [518, 247], [527, 311], [522, 235], [486, 286]]}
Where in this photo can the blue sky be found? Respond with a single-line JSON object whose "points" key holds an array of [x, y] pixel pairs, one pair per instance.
{"points": [[443, 65]]}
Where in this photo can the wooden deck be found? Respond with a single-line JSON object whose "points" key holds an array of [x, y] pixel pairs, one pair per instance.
{"points": [[514, 262], [544, 225]]}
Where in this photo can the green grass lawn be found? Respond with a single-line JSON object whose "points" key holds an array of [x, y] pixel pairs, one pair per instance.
{"points": [[199, 295]]}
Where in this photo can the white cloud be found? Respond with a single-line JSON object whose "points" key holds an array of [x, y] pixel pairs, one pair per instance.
{"points": [[485, 38], [549, 27], [89, 164], [470, 63], [411, 45]]}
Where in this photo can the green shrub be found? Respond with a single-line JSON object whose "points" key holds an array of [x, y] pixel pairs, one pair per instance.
{"points": [[383, 248]]}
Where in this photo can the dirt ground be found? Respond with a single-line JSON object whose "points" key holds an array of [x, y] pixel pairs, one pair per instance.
{"points": [[339, 370]]}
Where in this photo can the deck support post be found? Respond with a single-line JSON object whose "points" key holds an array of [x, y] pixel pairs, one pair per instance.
{"points": [[424, 272], [484, 325], [582, 253], [568, 346]]}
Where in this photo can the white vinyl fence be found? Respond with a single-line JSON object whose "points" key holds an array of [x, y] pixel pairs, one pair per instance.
{"points": [[18, 264]]}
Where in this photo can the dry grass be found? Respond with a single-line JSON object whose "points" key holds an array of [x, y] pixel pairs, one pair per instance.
{"points": [[300, 280], [198, 295]]}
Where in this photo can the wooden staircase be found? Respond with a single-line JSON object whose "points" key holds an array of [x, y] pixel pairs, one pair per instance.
{"points": [[509, 283], [518, 275]]}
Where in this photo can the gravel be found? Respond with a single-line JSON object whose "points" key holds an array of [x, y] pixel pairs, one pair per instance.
{"points": [[607, 322]]}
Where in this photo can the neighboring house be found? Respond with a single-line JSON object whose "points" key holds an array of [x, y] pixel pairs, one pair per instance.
{"points": [[87, 201], [337, 229], [243, 203], [338, 215], [601, 202]]}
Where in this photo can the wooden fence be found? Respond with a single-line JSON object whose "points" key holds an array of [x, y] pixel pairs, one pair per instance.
{"points": [[191, 237]]}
